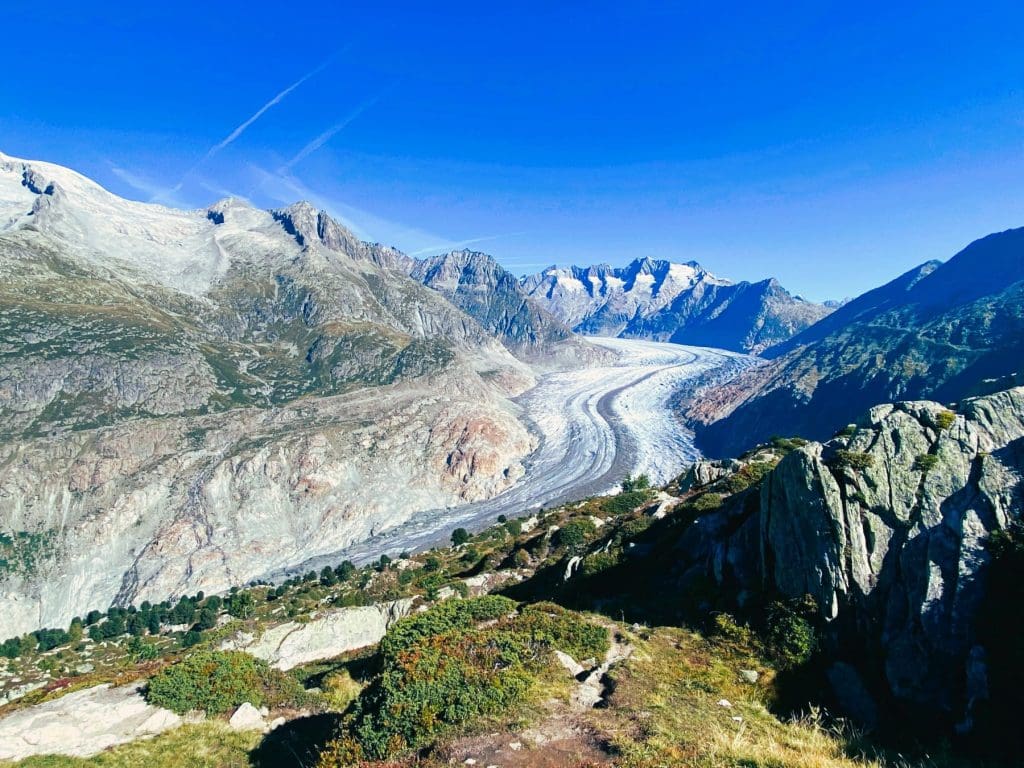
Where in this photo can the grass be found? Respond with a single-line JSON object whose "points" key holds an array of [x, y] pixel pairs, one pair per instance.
{"points": [[665, 710], [203, 745]]}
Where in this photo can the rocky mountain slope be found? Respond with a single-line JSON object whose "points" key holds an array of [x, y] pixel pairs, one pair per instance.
{"points": [[935, 332], [860, 574], [682, 303], [888, 528], [189, 399], [480, 287]]}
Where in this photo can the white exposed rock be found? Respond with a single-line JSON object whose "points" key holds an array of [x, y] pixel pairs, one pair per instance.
{"points": [[247, 718], [570, 664], [484, 583], [530, 523], [749, 676], [571, 567], [82, 723], [345, 629]]}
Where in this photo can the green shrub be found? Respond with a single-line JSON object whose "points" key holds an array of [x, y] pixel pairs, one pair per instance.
{"points": [[340, 689], [514, 527], [855, 460], [562, 630], [449, 615], [575, 534], [624, 502], [706, 502], [460, 536], [787, 444], [789, 632], [433, 683], [49, 639], [633, 528], [597, 562], [217, 682], [241, 605], [726, 627], [638, 483], [142, 650], [944, 420], [925, 462], [746, 476]]}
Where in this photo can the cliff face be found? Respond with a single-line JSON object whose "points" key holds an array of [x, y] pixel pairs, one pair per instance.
{"points": [[887, 529], [475, 283]]}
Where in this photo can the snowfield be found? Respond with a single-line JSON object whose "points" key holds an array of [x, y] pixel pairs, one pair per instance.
{"points": [[596, 426]]}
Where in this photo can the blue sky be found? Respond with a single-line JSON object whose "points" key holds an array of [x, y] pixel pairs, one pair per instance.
{"points": [[830, 145]]}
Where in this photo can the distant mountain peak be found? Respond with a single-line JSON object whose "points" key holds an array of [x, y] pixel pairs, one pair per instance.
{"points": [[671, 301]]}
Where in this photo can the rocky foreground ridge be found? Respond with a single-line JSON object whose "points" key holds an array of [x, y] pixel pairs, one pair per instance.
{"points": [[887, 527]]}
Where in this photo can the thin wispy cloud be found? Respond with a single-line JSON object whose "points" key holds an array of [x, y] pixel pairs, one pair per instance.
{"points": [[155, 192], [286, 188], [260, 112]]}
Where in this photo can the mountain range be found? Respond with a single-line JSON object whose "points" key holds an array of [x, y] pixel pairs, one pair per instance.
{"points": [[681, 303], [937, 332], [189, 399]]}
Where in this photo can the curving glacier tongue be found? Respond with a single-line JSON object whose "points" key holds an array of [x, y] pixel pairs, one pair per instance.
{"points": [[596, 426]]}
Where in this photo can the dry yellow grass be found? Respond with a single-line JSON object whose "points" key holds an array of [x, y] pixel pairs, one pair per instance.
{"points": [[668, 709], [206, 745]]}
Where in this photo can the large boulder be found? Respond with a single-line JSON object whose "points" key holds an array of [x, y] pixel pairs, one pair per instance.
{"points": [[330, 634]]}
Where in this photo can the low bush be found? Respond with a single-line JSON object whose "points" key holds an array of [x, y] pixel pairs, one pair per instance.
{"points": [[440, 673], [217, 682], [944, 420], [449, 615], [706, 502], [624, 502], [787, 444], [340, 690], [562, 630], [599, 561], [855, 460], [747, 476], [925, 462], [574, 535], [789, 634]]}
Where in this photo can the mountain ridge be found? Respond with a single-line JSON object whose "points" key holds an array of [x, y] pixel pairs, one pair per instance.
{"points": [[678, 302], [934, 332]]}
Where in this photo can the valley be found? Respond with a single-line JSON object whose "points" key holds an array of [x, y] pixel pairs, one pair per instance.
{"points": [[594, 425]]}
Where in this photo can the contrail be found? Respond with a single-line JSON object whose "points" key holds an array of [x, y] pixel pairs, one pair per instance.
{"points": [[327, 135], [259, 113], [255, 116]]}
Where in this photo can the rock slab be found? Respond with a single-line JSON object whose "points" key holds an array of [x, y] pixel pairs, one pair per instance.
{"points": [[83, 723]]}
